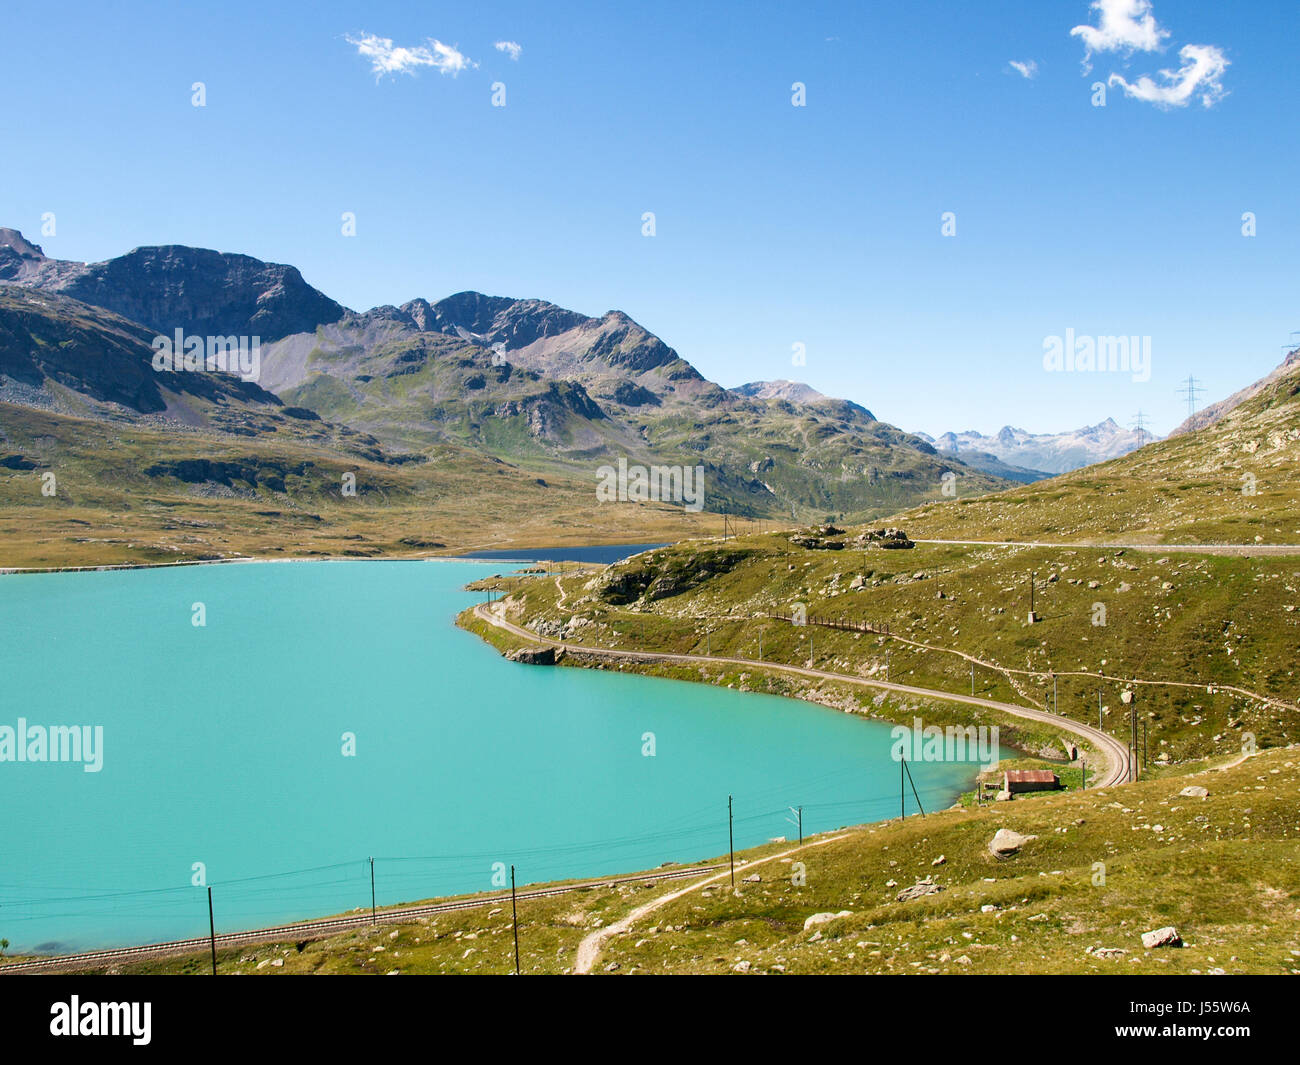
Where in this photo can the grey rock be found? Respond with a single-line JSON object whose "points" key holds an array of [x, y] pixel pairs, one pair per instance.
{"points": [[1162, 937], [1006, 843], [823, 918], [920, 889]]}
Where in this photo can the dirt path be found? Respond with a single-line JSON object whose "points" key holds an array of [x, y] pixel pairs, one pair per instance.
{"points": [[1115, 752], [591, 946], [1245, 550]]}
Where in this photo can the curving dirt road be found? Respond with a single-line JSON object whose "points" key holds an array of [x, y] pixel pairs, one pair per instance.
{"points": [[1116, 753], [1242, 550]]}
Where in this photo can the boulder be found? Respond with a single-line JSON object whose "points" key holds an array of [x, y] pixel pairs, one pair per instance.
{"points": [[823, 918], [1162, 937], [1006, 843], [1194, 791], [920, 889]]}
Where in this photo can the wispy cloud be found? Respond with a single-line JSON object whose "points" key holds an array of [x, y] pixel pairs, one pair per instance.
{"points": [[511, 48], [1128, 26], [1122, 26], [1203, 66], [387, 58], [1027, 69]]}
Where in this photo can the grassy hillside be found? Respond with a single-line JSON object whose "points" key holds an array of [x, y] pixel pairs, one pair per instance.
{"points": [[1235, 481], [1105, 867], [131, 494], [1214, 628]]}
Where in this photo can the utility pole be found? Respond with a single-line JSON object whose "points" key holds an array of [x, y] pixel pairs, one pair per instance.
{"points": [[731, 843], [972, 678], [902, 792], [1133, 718], [1083, 769], [212, 933], [372, 891], [514, 916], [1033, 616], [1099, 708], [1056, 704], [1129, 698], [1190, 390]]}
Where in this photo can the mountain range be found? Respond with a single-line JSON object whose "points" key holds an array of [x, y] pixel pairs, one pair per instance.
{"points": [[479, 412], [1014, 451], [540, 387]]}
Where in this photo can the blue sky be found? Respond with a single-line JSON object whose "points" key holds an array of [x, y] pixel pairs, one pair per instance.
{"points": [[775, 224]]}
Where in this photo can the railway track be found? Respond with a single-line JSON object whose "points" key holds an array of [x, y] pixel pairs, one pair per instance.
{"points": [[319, 929], [1117, 769]]}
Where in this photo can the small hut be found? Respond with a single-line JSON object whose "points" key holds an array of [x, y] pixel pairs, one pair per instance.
{"points": [[1016, 781]]}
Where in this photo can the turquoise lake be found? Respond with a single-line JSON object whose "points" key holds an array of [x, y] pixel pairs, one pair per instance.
{"points": [[223, 745]]}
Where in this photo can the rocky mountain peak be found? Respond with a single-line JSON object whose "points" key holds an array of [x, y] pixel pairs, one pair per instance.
{"points": [[18, 256], [174, 286], [19, 245], [790, 391]]}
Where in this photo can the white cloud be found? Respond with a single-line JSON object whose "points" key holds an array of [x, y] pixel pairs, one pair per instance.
{"points": [[1027, 69], [1122, 26], [387, 58], [1128, 26], [511, 48], [1203, 66]]}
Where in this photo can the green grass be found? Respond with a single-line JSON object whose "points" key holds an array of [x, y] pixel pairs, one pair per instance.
{"points": [[1223, 622], [109, 511], [1225, 871]]}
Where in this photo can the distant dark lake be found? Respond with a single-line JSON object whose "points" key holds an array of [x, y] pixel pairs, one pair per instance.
{"points": [[603, 553]]}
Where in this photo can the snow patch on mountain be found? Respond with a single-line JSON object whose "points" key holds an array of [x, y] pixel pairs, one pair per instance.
{"points": [[1050, 452]]}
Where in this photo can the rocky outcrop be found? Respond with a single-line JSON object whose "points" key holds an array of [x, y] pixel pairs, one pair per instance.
{"points": [[633, 395], [48, 339], [535, 656], [890, 539], [819, 538], [253, 472], [658, 577], [203, 292]]}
